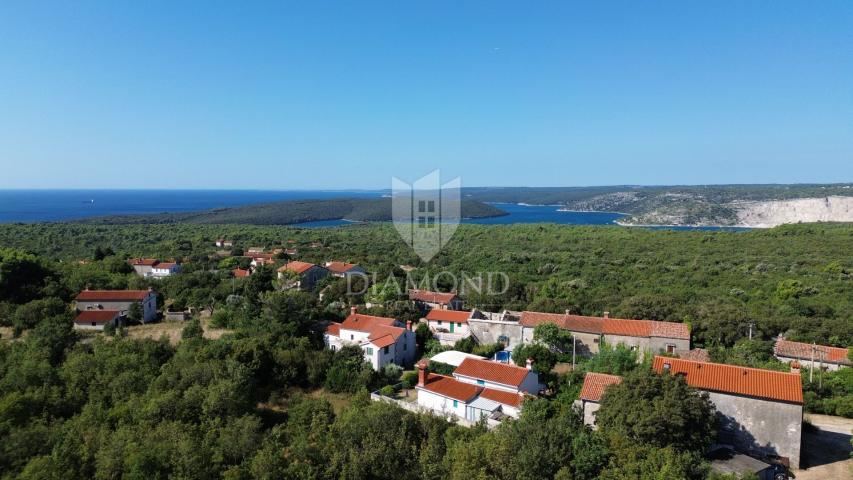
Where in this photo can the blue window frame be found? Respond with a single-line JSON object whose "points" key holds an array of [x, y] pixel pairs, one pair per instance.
{"points": [[455, 403], [481, 382]]}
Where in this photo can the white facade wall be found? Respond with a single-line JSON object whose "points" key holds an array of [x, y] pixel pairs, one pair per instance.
{"points": [[440, 404], [460, 328]]}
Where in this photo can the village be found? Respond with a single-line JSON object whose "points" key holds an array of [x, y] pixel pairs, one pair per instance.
{"points": [[759, 411]]}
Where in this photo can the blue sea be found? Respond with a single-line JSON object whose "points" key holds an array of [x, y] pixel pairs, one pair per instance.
{"points": [[28, 206]]}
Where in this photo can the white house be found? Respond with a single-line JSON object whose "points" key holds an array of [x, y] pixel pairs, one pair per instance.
{"points": [[221, 243], [165, 269], [453, 396], [118, 300], [383, 340], [448, 326], [498, 376]]}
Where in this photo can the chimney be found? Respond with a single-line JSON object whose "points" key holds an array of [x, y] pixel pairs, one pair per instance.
{"points": [[568, 311], [423, 374], [606, 314], [409, 325], [353, 310], [530, 364]]}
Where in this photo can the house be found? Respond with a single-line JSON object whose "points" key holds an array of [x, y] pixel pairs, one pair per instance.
{"points": [[343, 269], [384, 340], [143, 266], [165, 269], [593, 388], [222, 243], [448, 326], [255, 250], [118, 300], [759, 411], [259, 259], [427, 300], [307, 274], [642, 335], [241, 273], [96, 319], [811, 355], [153, 268], [498, 376], [447, 396]]}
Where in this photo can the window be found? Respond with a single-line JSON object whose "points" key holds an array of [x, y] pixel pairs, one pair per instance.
{"points": [[458, 324], [439, 323], [368, 350], [385, 350], [405, 346], [455, 403], [351, 337], [481, 382], [670, 348], [93, 324], [333, 348], [503, 339], [596, 340]]}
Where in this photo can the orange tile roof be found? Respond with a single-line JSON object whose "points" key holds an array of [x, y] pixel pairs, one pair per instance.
{"points": [[166, 265], [458, 316], [609, 326], [148, 262], [96, 316], [450, 387], [297, 267], [431, 297], [112, 295], [807, 351], [240, 273], [496, 372], [735, 380], [340, 267], [334, 329], [594, 385], [365, 323], [384, 335], [506, 398]]}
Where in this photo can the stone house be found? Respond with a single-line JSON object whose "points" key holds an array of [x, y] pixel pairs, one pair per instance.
{"points": [[448, 326], [118, 300], [593, 388], [307, 274], [811, 355], [426, 300]]}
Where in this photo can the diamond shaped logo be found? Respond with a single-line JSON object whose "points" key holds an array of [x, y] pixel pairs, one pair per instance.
{"points": [[426, 213]]}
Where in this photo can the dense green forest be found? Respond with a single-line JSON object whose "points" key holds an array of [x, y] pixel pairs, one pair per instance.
{"points": [[267, 401], [291, 211]]}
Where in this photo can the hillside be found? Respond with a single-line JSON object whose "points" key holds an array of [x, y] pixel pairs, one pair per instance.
{"points": [[728, 205], [290, 212]]}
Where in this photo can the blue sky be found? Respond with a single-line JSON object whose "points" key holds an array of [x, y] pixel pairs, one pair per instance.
{"points": [[293, 95]]}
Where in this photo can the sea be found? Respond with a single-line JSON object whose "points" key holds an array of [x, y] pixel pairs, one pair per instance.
{"points": [[31, 206]]}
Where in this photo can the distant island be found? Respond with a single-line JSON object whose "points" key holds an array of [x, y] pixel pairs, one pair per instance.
{"points": [[289, 212]]}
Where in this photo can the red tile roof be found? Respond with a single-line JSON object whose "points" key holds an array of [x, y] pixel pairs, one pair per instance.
{"points": [[240, 273], [340, 267], [148, 262], [594, 385], [807, 351], [165, 265], [365, 323], [506, 398], [431, 297], [297, 267], [457, 316], [496, 372], [608, 326], [384, 335], [451, 388], [696, 355], [112, 295], [735, 380], [334, 329], [96, 316]]}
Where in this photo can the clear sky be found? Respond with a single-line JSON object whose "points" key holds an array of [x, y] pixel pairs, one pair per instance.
{"points": [[312, 94]]}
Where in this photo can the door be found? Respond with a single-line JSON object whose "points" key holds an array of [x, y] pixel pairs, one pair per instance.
{"points": [[452, 324]]}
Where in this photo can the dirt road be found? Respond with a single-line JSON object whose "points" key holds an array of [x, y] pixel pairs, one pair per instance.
{"points": [[826, 449]]}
